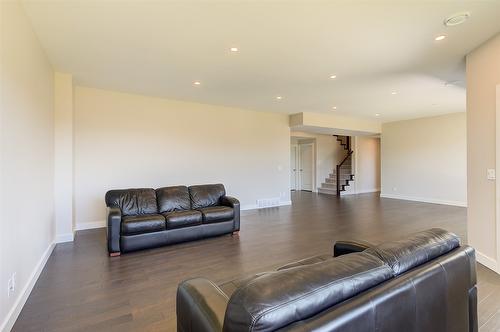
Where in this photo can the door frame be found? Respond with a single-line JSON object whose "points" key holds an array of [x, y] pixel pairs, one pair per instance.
{"points": [[494, 264], [296, 184], [313, 165]]}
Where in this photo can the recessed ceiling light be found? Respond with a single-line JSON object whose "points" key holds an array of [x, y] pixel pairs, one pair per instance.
{"points": [[333, 77], [456, 19], [334, 108], [377, 114], [196, 82], [440, 37], [233, 49], [279, 97], [394, 93]]}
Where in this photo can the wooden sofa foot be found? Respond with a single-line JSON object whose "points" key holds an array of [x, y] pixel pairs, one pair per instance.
{"points": [[236, 233], [114, 254]]}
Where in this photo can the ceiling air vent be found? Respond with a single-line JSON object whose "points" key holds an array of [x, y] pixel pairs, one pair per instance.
{"points": [[456, 19]]}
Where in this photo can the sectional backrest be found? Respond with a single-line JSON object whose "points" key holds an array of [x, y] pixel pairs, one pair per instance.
{"points": [[416, 249], [277, 299], [167, 199], [133, 201], [173, 199], [439, 295], [206, 195], [435, 274]]}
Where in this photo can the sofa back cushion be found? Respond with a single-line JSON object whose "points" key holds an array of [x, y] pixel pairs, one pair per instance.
{"points": [[133, 201], [416, 249], [173, 199], [206, 195], [440, 295], [277, 299]]}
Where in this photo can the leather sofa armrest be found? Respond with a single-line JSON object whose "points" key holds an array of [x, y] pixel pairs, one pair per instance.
{"points": [[230, 201], [201, 306], [114, 218], [235, 204], [346, 247]]}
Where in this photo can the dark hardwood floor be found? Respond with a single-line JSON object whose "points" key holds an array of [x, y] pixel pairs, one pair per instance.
{"points": [[82, 289]]}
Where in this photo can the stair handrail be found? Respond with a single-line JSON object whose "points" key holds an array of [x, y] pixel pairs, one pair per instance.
{"points": [[349, 153]]}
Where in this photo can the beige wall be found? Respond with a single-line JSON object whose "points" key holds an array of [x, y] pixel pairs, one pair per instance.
{"points": [[483, 75], [425, 159], [367, 164], [124, 140], [63, 156], [27, 154]]}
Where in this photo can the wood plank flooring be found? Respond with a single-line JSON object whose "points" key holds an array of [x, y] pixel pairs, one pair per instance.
{"points": [[82, 289]]}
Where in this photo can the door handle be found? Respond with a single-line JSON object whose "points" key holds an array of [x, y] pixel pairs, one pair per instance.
{"points": [[294, 170], [301, 169]]}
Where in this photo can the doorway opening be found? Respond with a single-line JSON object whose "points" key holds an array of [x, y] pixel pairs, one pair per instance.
{"points": [[302, 164], [335, 164]]}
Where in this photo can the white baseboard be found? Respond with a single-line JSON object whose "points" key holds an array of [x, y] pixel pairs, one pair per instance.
{"points": [[102, 223], [355, 192], [12, 315], [61, 238], [90, 225], [255, 207], [489, 262], [366, 191], [424, 200]]}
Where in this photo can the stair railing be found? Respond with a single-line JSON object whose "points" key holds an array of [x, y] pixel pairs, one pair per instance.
{"points": [[349, 153]]}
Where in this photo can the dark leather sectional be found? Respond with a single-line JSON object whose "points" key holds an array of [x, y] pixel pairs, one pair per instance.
{"points": [[146, 218], [426, 282]]}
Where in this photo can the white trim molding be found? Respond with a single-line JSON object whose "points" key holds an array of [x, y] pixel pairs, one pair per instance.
{"points": [[61, 238], [364, 191], [102, 223], [424, 200], [497, 183], [489, 262], [255, 207], [90, 225], [14, 312]]}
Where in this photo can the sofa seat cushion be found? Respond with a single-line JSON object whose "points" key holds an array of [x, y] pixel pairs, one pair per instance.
{"points": [[217, 214], [145, 223], [179, 219]]}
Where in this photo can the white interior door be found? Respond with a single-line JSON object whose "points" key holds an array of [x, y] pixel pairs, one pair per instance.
{"points": [[294, 179], [306, 166]]}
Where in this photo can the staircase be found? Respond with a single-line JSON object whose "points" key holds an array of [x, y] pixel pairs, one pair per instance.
{"points": [[338, 182]]}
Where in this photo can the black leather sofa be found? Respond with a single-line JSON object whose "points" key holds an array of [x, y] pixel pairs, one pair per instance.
{"points": [[426, 282], [147, 218]]}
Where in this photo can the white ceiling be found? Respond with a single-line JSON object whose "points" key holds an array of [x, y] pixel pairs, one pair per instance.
{"points": [[287, 48]]}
